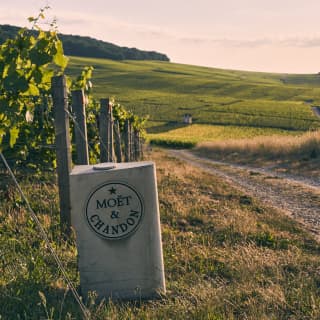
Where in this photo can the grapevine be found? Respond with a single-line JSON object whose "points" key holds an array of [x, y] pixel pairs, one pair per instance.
{"points": [[27, 64]]}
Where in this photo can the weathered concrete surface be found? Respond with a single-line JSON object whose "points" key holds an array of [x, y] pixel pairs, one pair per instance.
{"points": [[115, 214]]}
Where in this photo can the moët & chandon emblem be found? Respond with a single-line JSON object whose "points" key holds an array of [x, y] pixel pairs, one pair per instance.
{"points": [[114, 210]]}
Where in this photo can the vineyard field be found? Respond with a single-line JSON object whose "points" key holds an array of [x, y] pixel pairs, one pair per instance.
{"points": [[166, 91]]}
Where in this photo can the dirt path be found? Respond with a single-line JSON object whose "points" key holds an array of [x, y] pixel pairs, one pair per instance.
{"points": [[299, 198]]}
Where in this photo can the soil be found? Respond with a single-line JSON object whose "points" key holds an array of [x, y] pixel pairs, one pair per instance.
{"points": [[297, 196]]}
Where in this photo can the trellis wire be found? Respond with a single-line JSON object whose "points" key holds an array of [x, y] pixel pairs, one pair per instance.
{"points": [[43, 233]]}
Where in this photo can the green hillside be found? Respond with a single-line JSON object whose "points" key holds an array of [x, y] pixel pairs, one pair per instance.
{"points": [[166, 91], [89, 47]]}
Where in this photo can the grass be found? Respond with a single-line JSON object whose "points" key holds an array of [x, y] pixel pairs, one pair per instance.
{"points": [[188, 136], [225, 104], [226, 255], [166, 91], [296, 154]]}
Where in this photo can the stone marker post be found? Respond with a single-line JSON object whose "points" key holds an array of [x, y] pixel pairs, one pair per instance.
{"points": [[115, 214]]}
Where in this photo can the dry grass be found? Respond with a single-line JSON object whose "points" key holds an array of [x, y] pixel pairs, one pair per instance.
{"points": [[293, 153], [178, 135], [269, 147], [226, 257]]}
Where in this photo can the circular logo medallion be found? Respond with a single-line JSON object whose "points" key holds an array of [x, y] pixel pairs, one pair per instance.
{"points": [[114, 210]]}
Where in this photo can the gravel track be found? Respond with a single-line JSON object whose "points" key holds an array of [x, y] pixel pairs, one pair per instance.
{"points": [[297, 197]]}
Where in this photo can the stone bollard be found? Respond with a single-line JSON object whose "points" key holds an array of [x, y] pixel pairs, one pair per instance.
{"points": [[115, 214]]}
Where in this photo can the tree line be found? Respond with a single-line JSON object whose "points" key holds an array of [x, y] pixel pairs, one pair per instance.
{"points": [[80, 46]]}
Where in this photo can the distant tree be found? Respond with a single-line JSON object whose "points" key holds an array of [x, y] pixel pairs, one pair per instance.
{"points": [[89, 47]]}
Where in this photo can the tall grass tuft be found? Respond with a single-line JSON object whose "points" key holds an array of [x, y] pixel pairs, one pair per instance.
{"points": [[306, 146]]}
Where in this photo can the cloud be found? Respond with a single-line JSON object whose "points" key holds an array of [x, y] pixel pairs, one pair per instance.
{"points": [[301, 42], [102, 26], [227, 42], [107, 27]]}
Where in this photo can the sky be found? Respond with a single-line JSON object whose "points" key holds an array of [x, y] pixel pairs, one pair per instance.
{"points": [[257, 35]]}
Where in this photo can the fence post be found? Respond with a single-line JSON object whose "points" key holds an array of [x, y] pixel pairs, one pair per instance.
{"points": [[106, 131], [131, 142], [117, 140], [141, 146], [63, 149], [78, 105], [127, 141], [110, 124], [136, 145]]}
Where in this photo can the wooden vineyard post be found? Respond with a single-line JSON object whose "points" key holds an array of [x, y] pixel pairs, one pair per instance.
{"points": [[136, 144], [117, 141], [63, 149], [127, 141], [141, 141], [80, 127], [131, 143], [103, 130], [106, 131], [110, 133]]}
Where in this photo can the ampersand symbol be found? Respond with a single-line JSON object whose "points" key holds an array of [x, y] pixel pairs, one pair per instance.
{"points": [[114, 215]]}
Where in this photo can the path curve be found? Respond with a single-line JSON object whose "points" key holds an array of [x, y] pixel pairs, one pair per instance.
{"points": [[297, 197]]}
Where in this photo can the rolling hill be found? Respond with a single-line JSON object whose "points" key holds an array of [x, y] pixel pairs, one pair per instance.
{"points": [[89, 47], [260, 102]]}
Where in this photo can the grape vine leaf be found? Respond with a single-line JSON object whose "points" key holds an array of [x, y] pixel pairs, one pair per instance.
{"points": [[14, 133]]}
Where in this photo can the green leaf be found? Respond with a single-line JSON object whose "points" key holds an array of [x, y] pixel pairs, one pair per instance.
{"points": [[59, 58], [46, 76], [15, 82], [33, 90], [3, 117], [37, 75], [61, 61], [14, 133], [2, 133], [38, 56]]}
